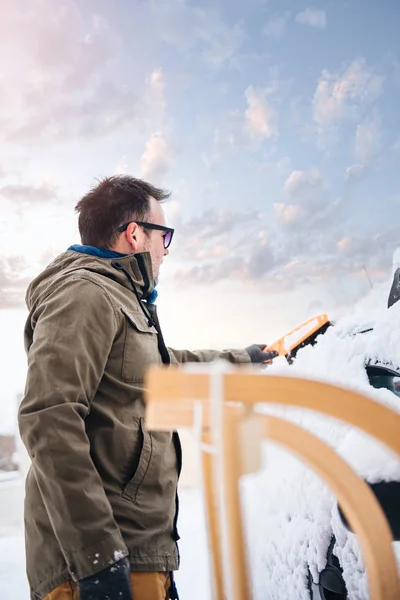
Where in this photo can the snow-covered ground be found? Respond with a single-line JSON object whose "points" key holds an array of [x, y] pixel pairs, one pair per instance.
{"points": [[192, 580], [289, 513]]}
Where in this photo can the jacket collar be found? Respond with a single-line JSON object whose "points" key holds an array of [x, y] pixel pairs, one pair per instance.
{"points": [[103, 261], [95, 251], [140, 269]]}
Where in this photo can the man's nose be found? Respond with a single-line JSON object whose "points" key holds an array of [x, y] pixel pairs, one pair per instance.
{"points": [[166, 251]]}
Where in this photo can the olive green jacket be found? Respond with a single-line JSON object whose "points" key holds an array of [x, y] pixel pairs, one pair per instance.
{"points": [[101, 486]]}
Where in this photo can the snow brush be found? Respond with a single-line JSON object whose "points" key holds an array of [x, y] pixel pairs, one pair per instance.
{"points": [[302, 335]]}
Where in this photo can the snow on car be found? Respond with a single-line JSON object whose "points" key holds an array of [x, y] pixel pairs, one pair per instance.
{"points": [[298, 545]]}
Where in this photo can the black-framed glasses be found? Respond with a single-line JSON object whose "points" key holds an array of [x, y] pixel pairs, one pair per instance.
{"points": [[169, 232]]}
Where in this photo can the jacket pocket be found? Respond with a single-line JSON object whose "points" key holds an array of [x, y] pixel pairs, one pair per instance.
{"points": [[131, 489], [140, 347]]}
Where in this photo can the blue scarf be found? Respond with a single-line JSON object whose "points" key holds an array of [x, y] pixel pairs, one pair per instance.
{"points": [[105, 253]]}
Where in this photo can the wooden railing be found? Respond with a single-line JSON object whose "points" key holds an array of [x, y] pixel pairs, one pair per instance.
{"points": [[222, 405]]}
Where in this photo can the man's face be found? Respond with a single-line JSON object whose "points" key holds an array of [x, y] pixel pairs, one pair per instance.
{"points": [[152, 240]]}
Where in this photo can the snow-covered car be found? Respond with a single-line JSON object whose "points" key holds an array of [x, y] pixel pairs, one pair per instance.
{"points": [[300, 545]]}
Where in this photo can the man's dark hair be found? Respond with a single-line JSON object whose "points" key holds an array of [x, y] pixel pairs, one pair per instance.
{"points": [[113, 202]]}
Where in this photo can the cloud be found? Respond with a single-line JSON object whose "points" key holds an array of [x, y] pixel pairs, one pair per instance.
{"points": [[341, 96], [213, 237], [106, 109], [213, 224], [313, 17], [225, 245], [62, 82], [307, 220], [307, 186], [376, 250], [260, 116], [302, 244], [173, 210], [156, 85], [13, 282], [59, 49], [209, 273], [261, 260], [288, 215], [251, 246], [92, 54], [354, 174], [19, 194], [299, 247], [237, 267], [310, 242], [275, 28], [12, 166], [200, 31], [156, 159], [367, 141], [46, 29], [248, 128], [122, 166]]}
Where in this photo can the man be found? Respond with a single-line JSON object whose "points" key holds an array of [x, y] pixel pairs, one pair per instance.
{"points": [[101, 495]]}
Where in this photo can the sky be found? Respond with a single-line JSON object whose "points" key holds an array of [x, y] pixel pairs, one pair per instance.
{"points": [[274, 123]]}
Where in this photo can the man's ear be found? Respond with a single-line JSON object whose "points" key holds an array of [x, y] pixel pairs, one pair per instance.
{"points": [[131, 234]]}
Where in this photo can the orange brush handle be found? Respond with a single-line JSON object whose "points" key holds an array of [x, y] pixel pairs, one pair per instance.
{"points": [[288, 342]]}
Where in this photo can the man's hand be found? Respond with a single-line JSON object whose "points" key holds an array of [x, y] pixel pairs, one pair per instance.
{"points": [[257, 354], [112, 583]]}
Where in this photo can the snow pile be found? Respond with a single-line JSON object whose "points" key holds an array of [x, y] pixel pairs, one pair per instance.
{"points": [[194, 566], [291, 515]]}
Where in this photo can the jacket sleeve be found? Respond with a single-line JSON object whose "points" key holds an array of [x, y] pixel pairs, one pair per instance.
{"points": [[233, 356], [73, 332]]}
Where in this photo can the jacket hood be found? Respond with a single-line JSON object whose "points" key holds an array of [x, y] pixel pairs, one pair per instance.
{"points": [[68, 263]]}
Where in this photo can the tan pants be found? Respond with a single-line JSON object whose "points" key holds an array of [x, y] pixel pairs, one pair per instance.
{"points": [[145, 586]]}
